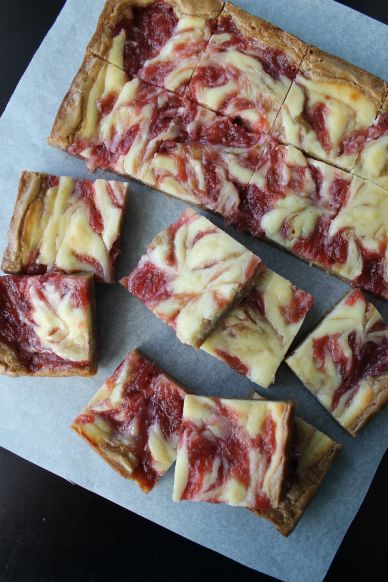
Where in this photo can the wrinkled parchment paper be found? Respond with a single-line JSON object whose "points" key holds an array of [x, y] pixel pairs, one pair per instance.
{"points": [[36, 413]]}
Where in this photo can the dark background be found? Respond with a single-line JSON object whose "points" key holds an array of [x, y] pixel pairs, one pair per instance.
{"points": [[53, 531]]}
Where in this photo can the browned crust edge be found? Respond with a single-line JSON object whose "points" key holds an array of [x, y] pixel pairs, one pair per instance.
{"points": [[255, 27], [11, 366], [115, 10], [27, 193], [379, 388], [320, 65], [288, 428], [71, 111], [287, 515]]}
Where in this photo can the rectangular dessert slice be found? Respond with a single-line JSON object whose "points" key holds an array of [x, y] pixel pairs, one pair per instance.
{"points": [[133, 420], [47, 325], [205, 159], [358, 238], [344, 362], [191, 274], [111, 122], [65, 224], [247, 69], [372, 145], [159, 41], [233, 451], [254, 337], [312, 454], [330, 101]]}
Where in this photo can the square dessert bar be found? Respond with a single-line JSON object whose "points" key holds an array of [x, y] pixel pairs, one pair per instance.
{"points": [[312, 454], [159, 41], [47, 325], [246, 69], [134, 419], [343, 362], [112, 122], [329, 104], [253, 337], [65, 224], [205, 159], [372, 145], [233, 451], [191, 274]]}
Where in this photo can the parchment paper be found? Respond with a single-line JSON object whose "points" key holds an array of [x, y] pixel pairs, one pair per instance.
{"points": [[35, 413]]}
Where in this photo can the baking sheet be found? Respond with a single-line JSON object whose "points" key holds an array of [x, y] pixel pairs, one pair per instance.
{"points": [[36, 413]]}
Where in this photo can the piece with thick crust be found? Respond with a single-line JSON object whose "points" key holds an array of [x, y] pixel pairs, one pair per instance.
{"points": [[247, 69], [330, 101], [233, 451], [112, 122], [134, 419], [47, 325], [372, 145], [344, 362], [191, 274], [205, 159], [312, 454], [159, 41], [65, 224], [254, 337]]}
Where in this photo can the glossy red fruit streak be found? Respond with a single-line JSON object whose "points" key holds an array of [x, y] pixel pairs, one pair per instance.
{"points": [[106, 104], [149, 398], [91, 262], [233, 451], [368, 359], [148, 283], [15, 327], [274, 61], [316, 118], [298, 307], [354, 142], [373, 270], [254, 204], [117, 199], [52, 181], [256, 300], [85, 191], [355, 296], [146, 34], [233, 361]]}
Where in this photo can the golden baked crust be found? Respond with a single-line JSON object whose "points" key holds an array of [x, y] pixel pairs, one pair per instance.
{"points": [[321, 66], [71, 112], [11, 366], [116, 10], [262, 30], [299, 493], [379, 388], [30, 188]]}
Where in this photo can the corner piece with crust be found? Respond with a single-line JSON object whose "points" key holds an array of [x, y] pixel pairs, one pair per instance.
{"points": [[111, 122], [47, 325], [343, 362], [246, 69], [159, 41], [233, 451], [65, 224], [133, 420], [330, 102], [191, 275], [312, 454], [254, 336]]}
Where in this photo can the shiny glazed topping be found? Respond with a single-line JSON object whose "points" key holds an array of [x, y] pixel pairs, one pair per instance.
{"points": [[145, 34], [148, 399], [366, 359], [230, 453], [356, 140], [274, 61], [16, 323]]}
